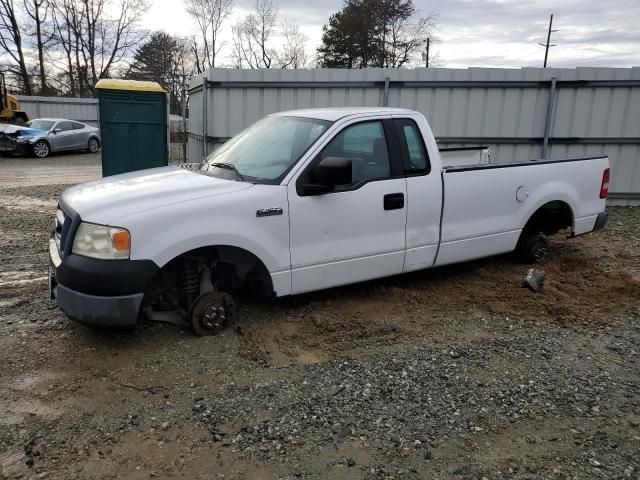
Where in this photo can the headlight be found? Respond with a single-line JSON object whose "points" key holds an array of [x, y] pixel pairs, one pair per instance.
{"points": [[23, 139], [101, 241]]}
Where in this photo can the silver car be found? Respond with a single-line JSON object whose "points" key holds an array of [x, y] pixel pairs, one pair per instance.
{"points": [[50, 135]]}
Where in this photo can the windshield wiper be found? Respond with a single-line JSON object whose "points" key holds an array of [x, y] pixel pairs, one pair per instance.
{"points": [[229, 166]]}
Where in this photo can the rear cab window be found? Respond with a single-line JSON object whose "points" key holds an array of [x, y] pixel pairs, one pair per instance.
{"points": [[415, 160]]}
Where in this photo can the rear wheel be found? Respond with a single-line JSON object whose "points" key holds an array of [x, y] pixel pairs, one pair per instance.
{"points": [[41, 149], [534, 248], [93, 145]]}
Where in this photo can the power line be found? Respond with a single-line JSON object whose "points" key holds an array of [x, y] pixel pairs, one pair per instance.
{"points": [[629, 56], [614, 20]]}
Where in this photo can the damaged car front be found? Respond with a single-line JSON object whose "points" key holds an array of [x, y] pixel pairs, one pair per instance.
{"points": [[18, 140]]}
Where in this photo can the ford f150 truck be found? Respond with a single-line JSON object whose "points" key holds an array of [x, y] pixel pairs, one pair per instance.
{"points": [[301, 201]]}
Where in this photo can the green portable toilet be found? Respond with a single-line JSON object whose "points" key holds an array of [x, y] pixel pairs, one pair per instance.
{"points": [[133, 125]]}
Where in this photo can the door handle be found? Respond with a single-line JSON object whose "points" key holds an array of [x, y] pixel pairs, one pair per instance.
{"points": [[393, 201]]}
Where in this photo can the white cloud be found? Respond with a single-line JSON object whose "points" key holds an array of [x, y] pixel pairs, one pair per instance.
{"points": [[491, 33]]}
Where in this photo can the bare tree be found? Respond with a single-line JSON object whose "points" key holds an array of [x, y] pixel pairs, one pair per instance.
{"points": [[11, 43], [64, 23], [293, 53], [210, 16], [405, 39], [96, 36], [198, 59], [37, 11], [252, 37], [237, 54]]}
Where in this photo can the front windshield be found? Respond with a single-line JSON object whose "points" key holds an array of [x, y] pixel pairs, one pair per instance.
{"points": [[40, 124], [266, 150]]}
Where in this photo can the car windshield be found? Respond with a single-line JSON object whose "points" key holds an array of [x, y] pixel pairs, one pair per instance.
{"points": [[40, 124], [265, 151]]}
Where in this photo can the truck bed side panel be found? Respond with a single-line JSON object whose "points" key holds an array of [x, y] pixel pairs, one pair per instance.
{"points": [[482, 215]]}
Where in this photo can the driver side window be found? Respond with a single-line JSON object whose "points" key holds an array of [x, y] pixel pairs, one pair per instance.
{"points": [[366, 146]]}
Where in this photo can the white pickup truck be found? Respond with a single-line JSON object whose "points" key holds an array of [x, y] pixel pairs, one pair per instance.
{"points": [[301, 201]]}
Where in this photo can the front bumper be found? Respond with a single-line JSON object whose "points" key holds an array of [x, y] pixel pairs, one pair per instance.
{"points": [[98, 292], [119, 311], [13, 147]]}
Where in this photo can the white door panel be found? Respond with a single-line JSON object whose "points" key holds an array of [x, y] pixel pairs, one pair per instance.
{"points": [[424, 195], [346, 237]]}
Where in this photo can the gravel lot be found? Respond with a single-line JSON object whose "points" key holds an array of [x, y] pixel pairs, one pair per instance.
{"points": [[453, 373]]}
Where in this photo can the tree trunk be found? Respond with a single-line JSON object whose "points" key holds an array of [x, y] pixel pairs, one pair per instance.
{"points": [[43, 78]]}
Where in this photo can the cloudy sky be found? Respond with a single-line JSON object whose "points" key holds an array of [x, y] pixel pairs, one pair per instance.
{"points": [[479, 33]]}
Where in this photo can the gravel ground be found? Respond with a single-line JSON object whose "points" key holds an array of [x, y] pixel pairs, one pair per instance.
{"points": [[452, 373]]}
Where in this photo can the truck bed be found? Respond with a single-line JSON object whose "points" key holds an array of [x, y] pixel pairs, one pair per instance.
{"points": [[485, 206]]}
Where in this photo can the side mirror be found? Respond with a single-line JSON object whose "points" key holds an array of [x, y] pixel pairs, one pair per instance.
{"points": [[331, 171], [56, 130]]}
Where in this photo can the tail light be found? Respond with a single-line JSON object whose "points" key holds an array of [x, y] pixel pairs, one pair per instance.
{"points": [[604, 188]]}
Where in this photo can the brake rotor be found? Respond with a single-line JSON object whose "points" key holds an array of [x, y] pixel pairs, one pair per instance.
{"points": [[211, 312]]}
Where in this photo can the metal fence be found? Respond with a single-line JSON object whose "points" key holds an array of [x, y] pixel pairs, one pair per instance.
{"points": [[522, 114], [83, 110]]}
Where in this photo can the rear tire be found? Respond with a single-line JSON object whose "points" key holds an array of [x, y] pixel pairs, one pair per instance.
{"points": [[534, 248], [41, 149]]}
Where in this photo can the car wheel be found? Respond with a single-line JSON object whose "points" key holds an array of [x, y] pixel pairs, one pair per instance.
{"points": [[41, 149], [94, 145]]}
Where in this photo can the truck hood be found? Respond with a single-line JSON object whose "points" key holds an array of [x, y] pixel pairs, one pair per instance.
{"points": [[103, 201]]}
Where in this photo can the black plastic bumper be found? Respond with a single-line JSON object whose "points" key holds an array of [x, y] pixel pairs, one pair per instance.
{"points": [[601, 221], [10, 148], [121, 311], [105, 277], [100, 292]]}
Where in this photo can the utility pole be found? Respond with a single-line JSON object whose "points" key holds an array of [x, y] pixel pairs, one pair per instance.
{"points": [[546, 49], [426, 57]]}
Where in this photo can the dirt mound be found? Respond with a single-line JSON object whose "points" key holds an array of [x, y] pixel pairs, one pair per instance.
{"points": [[582, 286]]}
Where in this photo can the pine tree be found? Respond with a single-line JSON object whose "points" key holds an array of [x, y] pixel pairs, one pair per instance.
{"points": [[373, 33]]}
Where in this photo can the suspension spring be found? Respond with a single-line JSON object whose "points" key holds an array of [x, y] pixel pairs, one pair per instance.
{"points": [[190, 282]]}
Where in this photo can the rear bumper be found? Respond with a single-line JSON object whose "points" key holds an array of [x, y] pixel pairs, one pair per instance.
{"points": [[601, 221]]}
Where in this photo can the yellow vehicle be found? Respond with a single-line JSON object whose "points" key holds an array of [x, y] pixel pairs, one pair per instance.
{"points": [[10, 106]]}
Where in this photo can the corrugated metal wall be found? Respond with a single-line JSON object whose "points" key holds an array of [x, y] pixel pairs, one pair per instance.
{"points": [[83, 110], [592, 110]]}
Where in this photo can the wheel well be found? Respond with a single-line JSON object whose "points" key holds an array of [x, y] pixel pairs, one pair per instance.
{"points": [[93, 137], [232, 269], [549, 219]]}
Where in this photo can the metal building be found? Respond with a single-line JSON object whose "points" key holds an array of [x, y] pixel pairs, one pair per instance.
{"points": [[522, 114], [83, 110]]}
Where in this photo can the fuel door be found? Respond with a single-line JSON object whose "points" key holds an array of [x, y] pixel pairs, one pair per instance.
{"points": [[522, 193]]}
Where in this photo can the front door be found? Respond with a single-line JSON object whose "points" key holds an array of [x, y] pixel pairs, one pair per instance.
{"points": [[356, 232], [62, 136]]}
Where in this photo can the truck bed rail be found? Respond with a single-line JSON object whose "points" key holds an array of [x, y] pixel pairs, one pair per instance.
{"points": [[466, 168]]}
